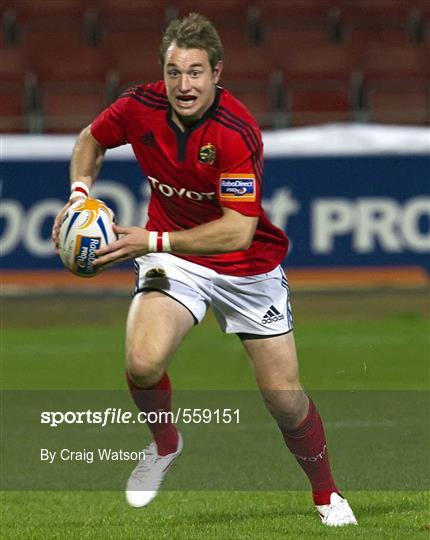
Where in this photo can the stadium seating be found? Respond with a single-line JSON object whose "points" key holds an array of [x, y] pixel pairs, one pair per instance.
{"points": [[359, 39], [290, 61], [242, 59], [71, 77], [399, 104], [13, 110], [12, 67], [425, 28], [43, 11], [132, 14], [75, 63], [17, 91], [35, 44], [128, 71], [322, 62], [299, 14], [85, 105], [279, 42], [224, 13], [368, 14], [23, 17], [395, 61], [318, 103], [133, 56], [259, 95]]}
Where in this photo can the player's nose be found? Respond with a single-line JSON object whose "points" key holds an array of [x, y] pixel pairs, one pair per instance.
{"points": [[184, 83]]}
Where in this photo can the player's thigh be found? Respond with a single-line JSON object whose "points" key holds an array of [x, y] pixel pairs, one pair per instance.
{"points": [[156, 325], [274, 361]]}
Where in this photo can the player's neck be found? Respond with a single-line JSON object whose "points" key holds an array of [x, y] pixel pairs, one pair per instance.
{"points": [[184, 123]]}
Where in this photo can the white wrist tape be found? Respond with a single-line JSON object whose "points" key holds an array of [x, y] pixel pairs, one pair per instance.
{"points": [[159, 242], [152, 242], [166, 242], [79, 189]]}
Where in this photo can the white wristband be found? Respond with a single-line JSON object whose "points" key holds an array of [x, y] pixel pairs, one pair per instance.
{"points": [[152, 242], [158, 242], [166, 242], [79, 189]]}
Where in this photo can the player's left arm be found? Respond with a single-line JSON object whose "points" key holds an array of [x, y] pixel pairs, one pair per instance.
{"points": [[231, 232]]}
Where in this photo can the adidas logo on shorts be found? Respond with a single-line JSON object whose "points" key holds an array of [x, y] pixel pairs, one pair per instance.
{"points": [[272, 315]]}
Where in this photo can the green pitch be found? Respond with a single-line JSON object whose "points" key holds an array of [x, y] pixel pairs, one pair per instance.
{"points": [[357, 341]]}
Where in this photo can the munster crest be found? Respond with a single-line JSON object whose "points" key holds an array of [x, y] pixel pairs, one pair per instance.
{"points": [[207, 154]]}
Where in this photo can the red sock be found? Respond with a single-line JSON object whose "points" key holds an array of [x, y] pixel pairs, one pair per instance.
{"points": [[308, 444], [156, 398]]}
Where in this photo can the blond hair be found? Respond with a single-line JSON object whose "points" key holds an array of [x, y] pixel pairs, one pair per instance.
{"points": [[193, 32]]}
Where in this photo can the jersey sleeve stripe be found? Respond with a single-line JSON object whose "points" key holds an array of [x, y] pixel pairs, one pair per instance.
{"points": [[162, 97], [255, 164], [146, 102], [139, 94], [238, 121], [151, 95], [256, 160], [247, 131], [246, 128]]}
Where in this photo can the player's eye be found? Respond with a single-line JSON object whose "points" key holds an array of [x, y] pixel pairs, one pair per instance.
{"points": [[195, 73], [173, 73]]}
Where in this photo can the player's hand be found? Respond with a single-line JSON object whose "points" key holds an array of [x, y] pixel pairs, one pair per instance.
{"points": [[133, 243], [55, 235]]}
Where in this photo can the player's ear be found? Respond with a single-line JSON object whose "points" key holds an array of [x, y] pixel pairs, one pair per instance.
{"points": [[216, 72]]}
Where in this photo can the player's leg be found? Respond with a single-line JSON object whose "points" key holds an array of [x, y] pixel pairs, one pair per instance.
{"points": [[156, 326], [258, 309], [275, 367], [168, 302], [274, 362]]}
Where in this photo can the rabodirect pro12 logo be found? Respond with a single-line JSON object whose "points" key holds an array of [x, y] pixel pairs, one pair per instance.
{"points": [[86, 247], [237, 187]]}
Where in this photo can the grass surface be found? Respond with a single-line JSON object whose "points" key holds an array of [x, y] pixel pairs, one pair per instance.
{"points": [[214, 515], [366, 341]]}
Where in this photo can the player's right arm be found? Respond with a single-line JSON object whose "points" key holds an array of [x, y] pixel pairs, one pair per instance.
{"points": [[106, 131], [87, 158]]}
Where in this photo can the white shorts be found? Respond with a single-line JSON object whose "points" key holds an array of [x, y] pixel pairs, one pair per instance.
{"points": [[253, 306]]}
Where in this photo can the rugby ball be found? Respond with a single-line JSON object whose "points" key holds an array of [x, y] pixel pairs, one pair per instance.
{"points": [[86, 227]]}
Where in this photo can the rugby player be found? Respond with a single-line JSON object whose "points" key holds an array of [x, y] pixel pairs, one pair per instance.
{"points": [[207, 243]]}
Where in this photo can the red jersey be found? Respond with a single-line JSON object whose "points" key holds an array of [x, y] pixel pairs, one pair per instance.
{"points": [[216, 162]]}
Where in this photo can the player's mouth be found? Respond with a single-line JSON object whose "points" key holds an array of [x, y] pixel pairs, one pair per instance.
{"points": [[186, 101]]}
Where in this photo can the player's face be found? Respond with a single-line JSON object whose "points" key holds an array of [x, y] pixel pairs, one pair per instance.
{"points": [[190, 82]]}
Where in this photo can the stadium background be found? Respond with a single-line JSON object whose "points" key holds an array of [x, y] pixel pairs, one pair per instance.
{"points": [[342, 91]]}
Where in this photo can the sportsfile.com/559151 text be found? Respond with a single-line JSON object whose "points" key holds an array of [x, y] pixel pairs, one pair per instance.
{"points": [[112, 415]]}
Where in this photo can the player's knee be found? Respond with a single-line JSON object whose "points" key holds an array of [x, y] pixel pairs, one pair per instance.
{"points": [[288, 407], [144, 369]]}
